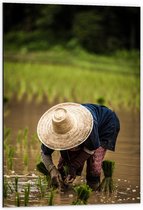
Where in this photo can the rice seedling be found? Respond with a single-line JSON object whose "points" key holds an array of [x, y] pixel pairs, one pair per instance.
{"points": [[10, 163], [51, 197], [19, 136], [25, 137], [42, 186], [7, 188], [10, 154], [16, 184], [25, 158], [7, 133], [26, 194], [17, 199], [22, 90], [83, 192], [34, 138], [107, 184], [42, 169]]}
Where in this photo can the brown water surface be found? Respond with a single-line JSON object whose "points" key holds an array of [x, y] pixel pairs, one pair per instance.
{"points": [[126, 157]]}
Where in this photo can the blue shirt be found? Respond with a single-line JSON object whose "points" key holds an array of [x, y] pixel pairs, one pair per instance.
{"points": [[105, 129]]}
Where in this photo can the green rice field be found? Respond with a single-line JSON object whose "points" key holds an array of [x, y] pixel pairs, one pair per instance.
{"points": [[113, 80]]}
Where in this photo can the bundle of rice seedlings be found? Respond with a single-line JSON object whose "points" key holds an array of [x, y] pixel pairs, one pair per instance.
{"points": [[107, 184], [83, 192]]}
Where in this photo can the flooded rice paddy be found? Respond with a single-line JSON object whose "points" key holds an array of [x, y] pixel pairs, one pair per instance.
{"points": [[21, 115]]}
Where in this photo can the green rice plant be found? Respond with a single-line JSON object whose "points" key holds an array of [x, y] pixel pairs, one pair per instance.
{"points": [[17, 199], [42, 186], [107, 184], [25, 137], [26, 194], [51, 197], [19, 136], [83, 192], [25, 146], [39, 95], [34, 138], [10, 163], [7, 136], [16, 184], [10, 151], [22, 89], [25, 158], [6, 188], [7, 133]]}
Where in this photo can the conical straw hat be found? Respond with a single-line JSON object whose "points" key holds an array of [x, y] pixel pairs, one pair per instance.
{"points": [[65, 126]]}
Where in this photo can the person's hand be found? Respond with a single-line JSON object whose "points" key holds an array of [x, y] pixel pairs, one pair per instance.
{"points": [[56, 179], [71, 175]]}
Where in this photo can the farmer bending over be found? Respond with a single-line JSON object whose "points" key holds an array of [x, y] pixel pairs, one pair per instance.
{"points": [[82, 133]]}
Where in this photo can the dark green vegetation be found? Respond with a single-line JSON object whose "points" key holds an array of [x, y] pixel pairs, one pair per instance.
{"points": [[82, 194], [98, 29], [107, 184], [57, 51]]}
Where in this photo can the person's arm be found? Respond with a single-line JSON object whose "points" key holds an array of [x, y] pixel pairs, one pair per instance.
{"points": [[77, 163], [89, 146], [47, 160], [46, 155]]}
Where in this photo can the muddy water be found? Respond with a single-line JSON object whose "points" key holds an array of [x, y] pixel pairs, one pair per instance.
{"points": [[127, 157]]}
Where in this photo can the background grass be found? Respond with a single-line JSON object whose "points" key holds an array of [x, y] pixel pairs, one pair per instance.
{"points": [[78, 76]]}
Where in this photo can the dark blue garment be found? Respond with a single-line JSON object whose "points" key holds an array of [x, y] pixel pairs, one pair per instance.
{"points": [[46, 150], [105, 127]]}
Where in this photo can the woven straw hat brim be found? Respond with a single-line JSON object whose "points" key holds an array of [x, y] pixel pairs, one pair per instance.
{"points": [[81, 129]]}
